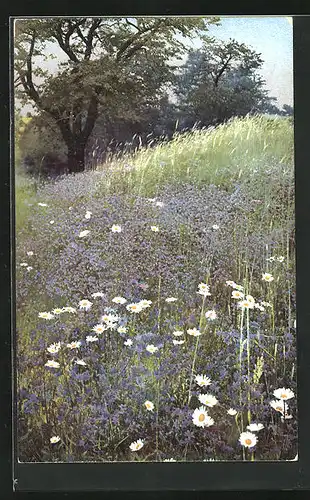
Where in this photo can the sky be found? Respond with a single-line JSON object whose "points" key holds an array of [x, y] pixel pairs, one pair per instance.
{"points": [[272, 37]]}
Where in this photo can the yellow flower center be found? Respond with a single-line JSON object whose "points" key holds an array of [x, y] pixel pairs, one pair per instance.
{"points": [[248, 441], [283, 396], [201, 417]]}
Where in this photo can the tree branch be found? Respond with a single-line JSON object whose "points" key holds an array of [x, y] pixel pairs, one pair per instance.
{"points": [[218, 76], [138, 36], [64, 43]]}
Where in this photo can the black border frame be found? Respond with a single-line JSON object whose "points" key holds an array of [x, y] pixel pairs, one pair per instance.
{"points": [[188, 476]]}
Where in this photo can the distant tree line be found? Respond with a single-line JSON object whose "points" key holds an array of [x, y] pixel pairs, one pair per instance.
{"points": [[123, 86]]}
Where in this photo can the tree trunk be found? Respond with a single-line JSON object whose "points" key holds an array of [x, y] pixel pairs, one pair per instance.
{"points": [[76, 158]]}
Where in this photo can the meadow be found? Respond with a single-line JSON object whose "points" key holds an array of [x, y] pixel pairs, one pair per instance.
{"points": [[155, 302]]}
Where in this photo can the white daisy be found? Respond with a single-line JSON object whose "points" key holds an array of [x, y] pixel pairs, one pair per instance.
{"points": [[248, 439], [145, 303], [116, 229], [278, 405], [236, 294], [82, 234], [80, 362], [155, 229], [201, 418], [57, 311], [54, 348], [74, 345], [85, 304], [52, 222], [255, 427], [42, 204], [215, 227], [30, 253], [267, 277], [280, 258], [177, 333], [91, 338], [230, 283], [246, 304], [97, 294], [134, 308], [54, 439], [88, 214], [29, 268], [203, 289], [46, 315], [149, 405], [211, 315], [122, 329], [151, 348], [119, 300], [69, 309], [178, 342], [194, 332], [232, 412], [202, 380], [207, 399], [259, 307], [171, 299], [136, 445], [283, 394], [128, 342], [52, 364], [100, 328]]}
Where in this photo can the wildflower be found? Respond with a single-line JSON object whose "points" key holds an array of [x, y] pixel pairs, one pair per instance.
{"points": [[80, 362], [178, 342], [52, 222], [91, 338], [149, 405], [255, 427], [267, 277], [30, 253], [207, 399], [159, 204], [85, 304], [42, 204], [177, 333], [237, 295], [134, 308], [119, 300], [128, 342], [88, 214], [259, 307], [169, 460], [271, 259], [145, 303], [54, 348], [211, 315], [84, 233], [52, 364], [57, 311], [278, 405], [266, 304], [46, 315], [283, 394], [54, 439], [70, 208], [23, 264], [232, 412], [116, 229], [250, 298], [204, 289], [194, 332], [97, 294], [136, 445], [109, 318], [151, 348], [155, 229], [74, 345], [280, 258], [230, 283], [69, 309], [171, 299], [215, 227], [248, 439], [202, 380], [122, 329], [100, 328], [201, 418], [246, 304], [29, 268]]}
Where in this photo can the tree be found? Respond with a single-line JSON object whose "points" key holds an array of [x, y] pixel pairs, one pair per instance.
{"points": [[103, 68], [220, 81]]}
